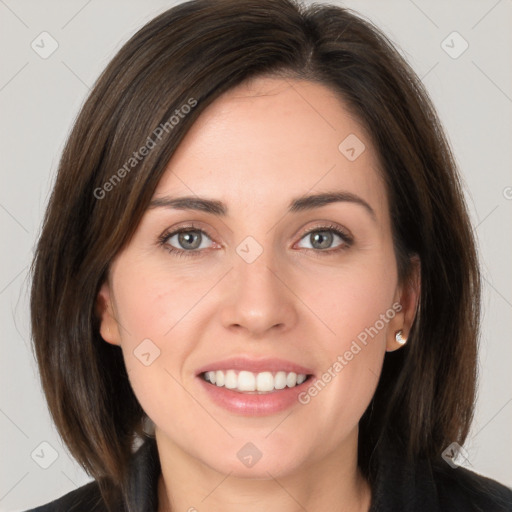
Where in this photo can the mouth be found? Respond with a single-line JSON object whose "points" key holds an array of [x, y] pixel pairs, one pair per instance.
{"points": [[256, 383], [249, 386]]}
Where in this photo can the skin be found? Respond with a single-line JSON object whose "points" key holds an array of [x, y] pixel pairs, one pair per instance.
{"points": [[255, 148]]}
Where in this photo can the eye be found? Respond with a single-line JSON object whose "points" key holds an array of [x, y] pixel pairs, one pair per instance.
{"points": [[321, 238], [191, 240], [185, 241]]}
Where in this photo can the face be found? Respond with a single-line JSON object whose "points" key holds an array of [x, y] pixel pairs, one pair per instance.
{"points": [[258, 295]]}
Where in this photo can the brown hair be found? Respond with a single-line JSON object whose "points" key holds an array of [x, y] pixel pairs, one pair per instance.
{"points": [[194, 52]]}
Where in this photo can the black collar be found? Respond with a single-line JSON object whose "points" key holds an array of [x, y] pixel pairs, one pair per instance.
{"points": [[424, 486], [144, 473]]}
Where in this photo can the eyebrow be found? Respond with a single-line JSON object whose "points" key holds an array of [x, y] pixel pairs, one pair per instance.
{"points": [[299, 204]]}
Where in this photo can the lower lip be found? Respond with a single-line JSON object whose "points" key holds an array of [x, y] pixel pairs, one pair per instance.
{"points": [[254, 404]]}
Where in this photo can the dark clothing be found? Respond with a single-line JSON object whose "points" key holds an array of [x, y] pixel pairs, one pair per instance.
{"points": [[426, 487]]}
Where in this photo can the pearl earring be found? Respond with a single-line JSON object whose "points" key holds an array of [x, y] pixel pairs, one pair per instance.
{"points": [[399, 338]]}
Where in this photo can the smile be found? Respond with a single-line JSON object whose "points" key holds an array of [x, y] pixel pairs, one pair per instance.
{"points": [[254, 386], [249, 382]]}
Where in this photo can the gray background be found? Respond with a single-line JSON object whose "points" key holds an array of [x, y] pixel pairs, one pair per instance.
{"points": [[39, 99]]}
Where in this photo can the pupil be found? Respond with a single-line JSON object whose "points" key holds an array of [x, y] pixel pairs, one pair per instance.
{"points": [[187, 238], [326, 239]]}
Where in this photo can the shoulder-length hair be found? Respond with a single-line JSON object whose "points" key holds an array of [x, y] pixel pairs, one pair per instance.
{"points": [[190, 55]]}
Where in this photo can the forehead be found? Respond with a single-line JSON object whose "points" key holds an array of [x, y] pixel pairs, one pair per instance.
{"points": [[271, 139]]}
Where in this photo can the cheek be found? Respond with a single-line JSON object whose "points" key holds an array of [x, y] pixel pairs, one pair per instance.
{"points": [[152, 300], [356, 307], [156, 312], [352, 298]]}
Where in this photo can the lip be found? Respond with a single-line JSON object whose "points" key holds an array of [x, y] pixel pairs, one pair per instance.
{"points": [[255, 365], [253, 404]]}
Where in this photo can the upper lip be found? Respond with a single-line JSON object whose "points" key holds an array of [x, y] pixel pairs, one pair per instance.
{"points": [[255, 365]]}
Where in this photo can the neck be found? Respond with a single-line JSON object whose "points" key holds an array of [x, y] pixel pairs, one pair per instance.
{"points": [[334, 483]]}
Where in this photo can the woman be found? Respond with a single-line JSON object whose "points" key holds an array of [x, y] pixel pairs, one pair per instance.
{"points": [[256, 286]]}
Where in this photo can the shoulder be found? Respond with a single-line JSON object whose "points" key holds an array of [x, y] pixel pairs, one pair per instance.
{"points": [[84, 499], [140, 494], [401, 484], [461, 489]]}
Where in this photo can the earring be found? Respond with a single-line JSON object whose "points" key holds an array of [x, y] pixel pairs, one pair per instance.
{"points": [[399, 338]]}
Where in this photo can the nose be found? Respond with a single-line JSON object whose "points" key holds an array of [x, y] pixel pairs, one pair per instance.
{"points": [[258, 300]]}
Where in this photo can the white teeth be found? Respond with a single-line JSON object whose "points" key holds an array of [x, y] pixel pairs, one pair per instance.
{"points": [[280, 380], [263, 382], [231, 380], [291, 379], [247, 381]]}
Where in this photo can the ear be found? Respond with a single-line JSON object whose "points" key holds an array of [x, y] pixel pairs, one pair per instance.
{"points": [[407, 295], [109, 328]]}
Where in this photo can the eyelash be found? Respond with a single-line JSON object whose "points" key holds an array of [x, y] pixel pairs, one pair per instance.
{"points": [[163, 239]]}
